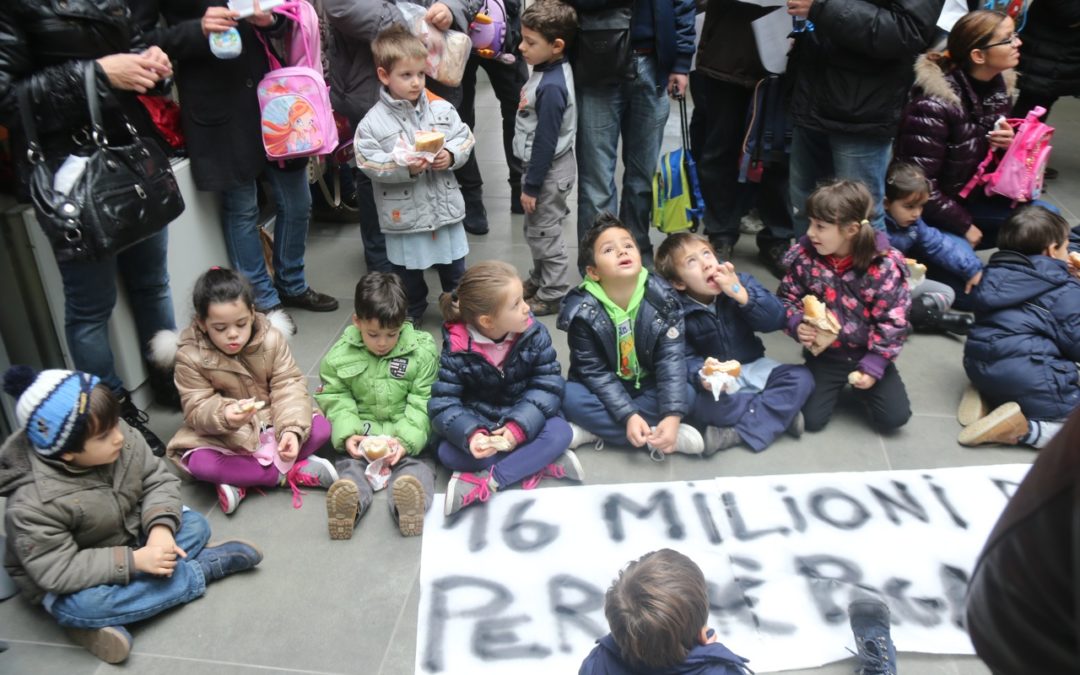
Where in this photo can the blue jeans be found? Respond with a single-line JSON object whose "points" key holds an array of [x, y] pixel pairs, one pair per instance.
{"points": [[510, 468], [146, 595], [90, 296], [240, 217], [585, 409], [637, 109], [821, 155]]}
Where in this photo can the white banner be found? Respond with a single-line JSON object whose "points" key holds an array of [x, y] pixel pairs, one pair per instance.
{"points": [[517, 585]]}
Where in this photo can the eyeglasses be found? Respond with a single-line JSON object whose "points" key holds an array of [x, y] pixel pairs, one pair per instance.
{"points": [[1011, 40]]}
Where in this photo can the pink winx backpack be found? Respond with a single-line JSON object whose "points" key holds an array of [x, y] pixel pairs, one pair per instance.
{"points": [[1019, 174], [294, 101]]}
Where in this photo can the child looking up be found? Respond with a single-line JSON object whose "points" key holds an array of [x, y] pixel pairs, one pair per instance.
{"points": [[627, 366], [544, 140], [948, 256], [861, 279], [1022, 351], [95, 529], [657, 611], [496, 402], [376, 383], [420, 205], [722, 311], [247, 413]]}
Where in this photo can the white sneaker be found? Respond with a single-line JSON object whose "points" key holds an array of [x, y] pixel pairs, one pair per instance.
{"points": [[689, 441], [581, 436]]}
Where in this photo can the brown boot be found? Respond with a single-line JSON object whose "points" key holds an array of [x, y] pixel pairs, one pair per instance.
{"points": [[342, 508], [408, 496], [973, 406], [1005, 424], [111, 644]]}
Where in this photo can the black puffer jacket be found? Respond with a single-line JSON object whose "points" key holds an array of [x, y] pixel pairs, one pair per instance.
{"points": [[727, 49], [659, 343], [44, 47], [852, 72], [1050, 59], [943, 130]]}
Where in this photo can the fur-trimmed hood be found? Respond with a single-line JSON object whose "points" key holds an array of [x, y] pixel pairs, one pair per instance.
{"points": [[165, 343], [932, 81]]}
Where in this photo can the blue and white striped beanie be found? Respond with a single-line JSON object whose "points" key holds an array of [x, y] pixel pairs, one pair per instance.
{"points": [[53, 406]]}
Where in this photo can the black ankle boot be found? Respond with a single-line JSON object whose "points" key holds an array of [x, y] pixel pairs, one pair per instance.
{"points": [[137, 420], [515, 198], [925, 315], [475, 213], [958, 323], [163, 387]]}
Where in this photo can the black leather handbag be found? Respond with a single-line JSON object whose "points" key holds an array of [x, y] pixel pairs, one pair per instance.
{"points": [[124, 194]]}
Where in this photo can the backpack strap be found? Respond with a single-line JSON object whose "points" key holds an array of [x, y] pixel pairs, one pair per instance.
{"points": [[978, 177]]}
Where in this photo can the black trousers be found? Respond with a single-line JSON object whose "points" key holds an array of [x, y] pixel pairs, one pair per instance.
{"points": [[507, 81], [887, 401]]}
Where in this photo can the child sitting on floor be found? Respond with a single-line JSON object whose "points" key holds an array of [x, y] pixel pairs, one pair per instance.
{"points": [[248, 418], [722, 310], [1022, 351], [95, 529], [376, 385], [496, 401]]}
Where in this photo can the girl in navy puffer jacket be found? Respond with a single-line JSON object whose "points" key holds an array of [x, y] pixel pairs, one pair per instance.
{"points": [[497, 398], [1022, 351]]}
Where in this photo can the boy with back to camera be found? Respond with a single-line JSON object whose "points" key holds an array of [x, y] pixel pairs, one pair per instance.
{"points": [[1021, 353], [627, 378], [376, 385], [722, 311], [544, 141]]}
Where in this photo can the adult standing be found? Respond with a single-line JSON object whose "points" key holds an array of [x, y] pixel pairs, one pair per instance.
{"points": [[43, 54], [219, 110], [952, 121], [627, 100], [851, 65]]}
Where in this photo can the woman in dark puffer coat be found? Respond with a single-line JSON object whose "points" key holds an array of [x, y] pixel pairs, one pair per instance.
{"points": [[950, 122]]}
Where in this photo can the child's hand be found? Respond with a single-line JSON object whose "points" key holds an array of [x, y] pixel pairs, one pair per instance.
{"points": [[288, 446], [260, 18], [665, 435], [157, 560], [637, 430], [397, 451], [218, 20], [442, 160], [806, 334], [478, 446], [352, 446], [861, 380], [528, 203], [973, 235], [973, 282], [417, 165], [162, 536], [508, 435], [439, 16], [235, 414]]}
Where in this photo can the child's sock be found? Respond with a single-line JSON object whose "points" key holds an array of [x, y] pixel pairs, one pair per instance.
{"points": [[1040, 432]]}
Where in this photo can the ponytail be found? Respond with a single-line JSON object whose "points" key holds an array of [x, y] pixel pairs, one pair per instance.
{"points": [[864, 246], [845, 203], [481, 292]]}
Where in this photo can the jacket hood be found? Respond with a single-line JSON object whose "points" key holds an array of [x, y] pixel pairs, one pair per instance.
{"points": [[15, 469], [657, 293], [701, 660], [934, 82], [456, 335], [1009, 281], [165, 343], [406, 339]]}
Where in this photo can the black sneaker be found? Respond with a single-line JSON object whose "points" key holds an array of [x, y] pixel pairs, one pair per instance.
{"points": [[772, 257], [137, 420], [476, 221], [311, 300]]}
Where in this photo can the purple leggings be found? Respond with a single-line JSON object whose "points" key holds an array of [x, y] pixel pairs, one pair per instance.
{"points": [[244, 470]]}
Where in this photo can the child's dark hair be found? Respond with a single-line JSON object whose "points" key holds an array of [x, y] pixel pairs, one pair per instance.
{"points": [[604, 222], [1032, 229], [103, 413], [481, 291], [221, 284], [904, 180], [553, 19], [395, 44], [664, 262], [381, 296], [656, 609], [844, 203]]}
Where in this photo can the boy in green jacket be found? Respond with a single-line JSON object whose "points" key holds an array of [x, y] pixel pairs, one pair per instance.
{"points": [[376, 385]]}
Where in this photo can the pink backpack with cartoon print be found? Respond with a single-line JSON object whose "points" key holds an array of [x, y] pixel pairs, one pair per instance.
{"points": [[1019, 174], [294, 101]]}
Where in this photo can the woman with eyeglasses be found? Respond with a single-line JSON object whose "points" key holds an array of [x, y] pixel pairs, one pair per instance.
{"points": [[954, 115]]}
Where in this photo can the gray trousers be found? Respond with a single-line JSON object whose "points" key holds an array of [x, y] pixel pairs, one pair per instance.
{"points": [[544, 230], [353, 469]]}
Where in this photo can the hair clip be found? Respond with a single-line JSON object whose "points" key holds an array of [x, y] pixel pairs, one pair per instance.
{"points": [[864, 221], [946, 55], [215, 268]]}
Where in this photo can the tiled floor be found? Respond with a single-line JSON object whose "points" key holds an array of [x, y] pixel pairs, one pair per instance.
{"points": [[316, 606]]}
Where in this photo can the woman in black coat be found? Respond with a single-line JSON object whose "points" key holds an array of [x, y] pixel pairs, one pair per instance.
{"points": [[219, 111], [44, 50]]}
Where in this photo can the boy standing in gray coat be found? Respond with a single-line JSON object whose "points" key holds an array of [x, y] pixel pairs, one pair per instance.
{"points": [[544, 141]]}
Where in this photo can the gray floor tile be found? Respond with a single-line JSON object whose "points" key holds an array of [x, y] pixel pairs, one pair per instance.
{"points": [[63, 657]]}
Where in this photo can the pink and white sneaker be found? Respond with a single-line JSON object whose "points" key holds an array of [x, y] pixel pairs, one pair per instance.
{"points": [[466, 488], [229, 497]]}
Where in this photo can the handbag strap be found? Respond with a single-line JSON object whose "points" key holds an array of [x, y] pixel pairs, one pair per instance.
{"points": [[33, 147], [684, 126]]}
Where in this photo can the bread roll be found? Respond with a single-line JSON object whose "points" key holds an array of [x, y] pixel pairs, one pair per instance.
{"points": [[499, 443], [1074, 259], [713, 366], [375, 447], [916, 268], [854, 377], [429, 141], [251, 405], [813, 308]]}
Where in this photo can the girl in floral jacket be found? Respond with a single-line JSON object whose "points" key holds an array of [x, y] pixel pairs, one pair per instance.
{"points": [[861, 279]]}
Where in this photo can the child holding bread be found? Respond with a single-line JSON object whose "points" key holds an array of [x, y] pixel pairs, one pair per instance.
{"points": [[420, 205], [847, 299], [497, 399], [722, 311], [376, 385], [248, 418]]}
